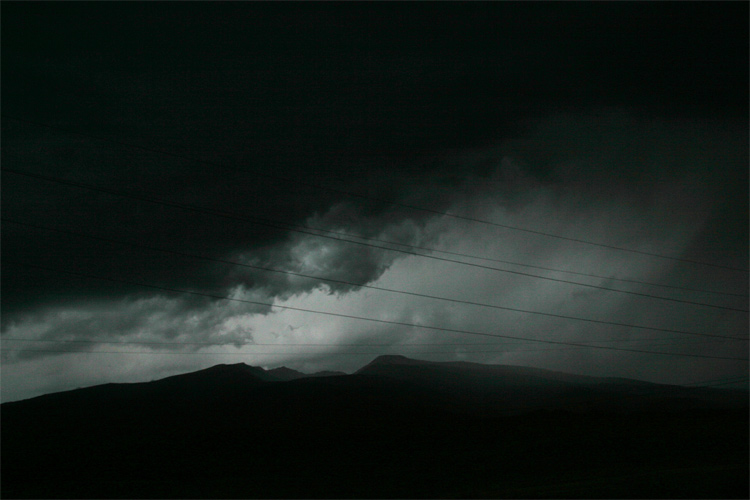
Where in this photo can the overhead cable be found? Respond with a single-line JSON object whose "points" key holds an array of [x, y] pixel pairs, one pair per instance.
{"points": [[379, 200], [362, 285], [285, 226], [374, 320]]}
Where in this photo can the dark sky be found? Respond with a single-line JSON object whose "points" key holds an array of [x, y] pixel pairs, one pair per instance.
{"points": [[220, 130]]}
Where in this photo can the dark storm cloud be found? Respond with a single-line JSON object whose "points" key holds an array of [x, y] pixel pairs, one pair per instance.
{"points": [[575, 203], [557, 115], [352, 96], [346, 265]]}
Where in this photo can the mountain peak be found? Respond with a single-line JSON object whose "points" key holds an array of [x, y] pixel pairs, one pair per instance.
{"points": [[221, 374], [388, 360], [392, 359], [284, 373], [235, 368]]}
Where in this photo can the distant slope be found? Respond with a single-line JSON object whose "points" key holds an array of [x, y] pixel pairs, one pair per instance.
{"points": [[222, 379], [502, 387], [284, 373], [398, 428]]}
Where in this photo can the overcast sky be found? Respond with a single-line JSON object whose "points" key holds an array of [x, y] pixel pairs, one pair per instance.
{"points": [[230, 150]]}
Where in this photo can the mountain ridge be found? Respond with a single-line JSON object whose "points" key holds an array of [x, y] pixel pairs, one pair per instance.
{"points": [[414, 429], [459, 381]]}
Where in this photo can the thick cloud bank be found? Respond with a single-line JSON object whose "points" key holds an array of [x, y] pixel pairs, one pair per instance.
{"points": [[160, 159], [623, 180]]}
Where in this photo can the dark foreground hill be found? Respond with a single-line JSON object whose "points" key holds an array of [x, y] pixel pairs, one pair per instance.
{"points": [[397, 428]]}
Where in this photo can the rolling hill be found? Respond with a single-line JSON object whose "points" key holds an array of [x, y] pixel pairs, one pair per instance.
{"points": [[397, 427]]}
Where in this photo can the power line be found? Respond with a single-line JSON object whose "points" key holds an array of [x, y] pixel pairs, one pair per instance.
{"points": [[293, 353], [285, 226], [503, 261], [515, 228], [379, 200], [373, 287], [337, 353], [591, 275], [358, 344], [446, 252], [374, 320], [173, 353]]}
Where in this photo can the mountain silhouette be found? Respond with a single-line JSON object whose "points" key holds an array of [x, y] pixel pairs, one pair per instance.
{"points": [[284, 373], [397, 427], [507, 388]]}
